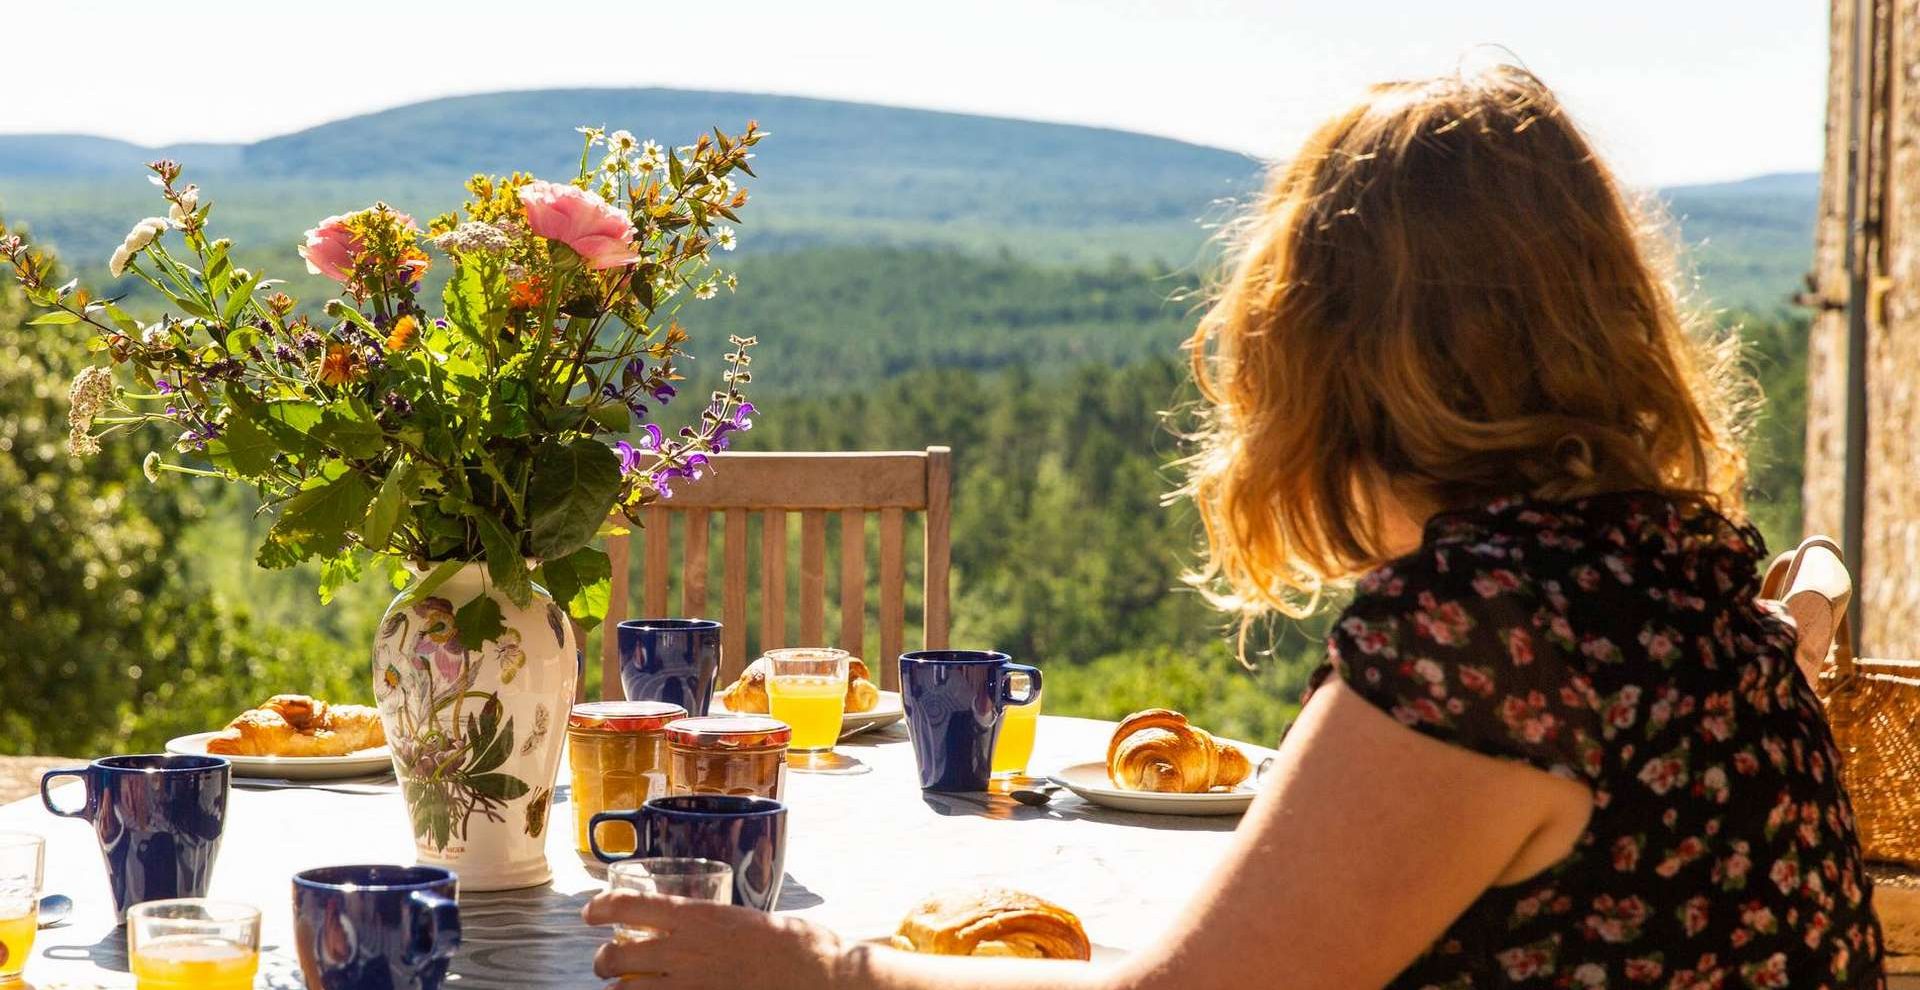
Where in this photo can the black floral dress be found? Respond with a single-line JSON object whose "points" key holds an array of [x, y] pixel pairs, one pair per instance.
{"points": [[1616, 641]]}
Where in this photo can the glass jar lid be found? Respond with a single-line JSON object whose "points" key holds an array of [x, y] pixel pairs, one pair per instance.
{"points": [[729, 732], [623, 716]]}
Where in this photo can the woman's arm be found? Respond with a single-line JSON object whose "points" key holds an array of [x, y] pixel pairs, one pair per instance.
{"points": [[1367, 840]]}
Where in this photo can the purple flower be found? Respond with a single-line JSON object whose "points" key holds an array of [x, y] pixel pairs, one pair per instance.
{"points": [[660, 484], [740, 420], [664, 393], [653, 439], [637, 408], [609, 391], [629, 457], [163, 387]]}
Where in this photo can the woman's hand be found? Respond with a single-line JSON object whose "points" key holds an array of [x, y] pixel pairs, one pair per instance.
{"points": [[706, 945]]}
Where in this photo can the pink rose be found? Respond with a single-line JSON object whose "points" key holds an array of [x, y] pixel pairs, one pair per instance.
{"points": [[595, 230], [331, 248]]}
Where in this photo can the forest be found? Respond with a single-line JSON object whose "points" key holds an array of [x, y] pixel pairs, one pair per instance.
{"points": [[1060, 389]]}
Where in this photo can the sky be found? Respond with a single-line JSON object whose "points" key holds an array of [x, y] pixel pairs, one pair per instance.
{"points": [[1673, 91]]}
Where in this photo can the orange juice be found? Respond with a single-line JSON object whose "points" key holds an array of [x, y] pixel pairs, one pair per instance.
{"points": [[812, 705], [1014, 746], [194, 962], [16, 942]]}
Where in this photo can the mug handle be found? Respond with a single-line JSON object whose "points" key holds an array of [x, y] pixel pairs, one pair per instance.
{"points": [[635, 819], [46, 791], [436, 928], [1006, 684]]}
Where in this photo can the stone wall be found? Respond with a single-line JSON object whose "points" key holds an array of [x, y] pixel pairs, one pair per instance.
{"points": [[1887, 174]]}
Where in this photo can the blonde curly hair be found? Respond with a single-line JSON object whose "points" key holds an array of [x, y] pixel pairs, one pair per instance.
{"points": [[1445, 294]]}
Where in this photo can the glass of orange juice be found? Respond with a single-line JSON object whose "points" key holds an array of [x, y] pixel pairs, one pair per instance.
{"points": [[1013, 747], [193, 943], [22, 863], [807, 689]]}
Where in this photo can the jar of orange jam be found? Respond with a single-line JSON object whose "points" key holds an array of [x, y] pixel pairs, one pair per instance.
{"points": [[617, 752], [728, 754]]}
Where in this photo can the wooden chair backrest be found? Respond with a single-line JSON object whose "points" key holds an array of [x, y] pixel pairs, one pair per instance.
{"points": [[775, 486]]}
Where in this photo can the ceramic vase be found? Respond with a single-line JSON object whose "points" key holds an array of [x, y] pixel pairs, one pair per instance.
{"points": [[476, 734]]}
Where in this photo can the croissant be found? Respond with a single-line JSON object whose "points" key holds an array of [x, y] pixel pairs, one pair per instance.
{"points": [[296, 725], [749, 693], [1159, 750], [993, 922]]}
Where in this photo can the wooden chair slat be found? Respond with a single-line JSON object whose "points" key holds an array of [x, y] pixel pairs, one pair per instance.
{"points": [[813, 578], [938, 545], [893, 610], [733, 606], [773, 580], [616, 613], [838, 480], [659, 533], [853, 581], [693, 574]]}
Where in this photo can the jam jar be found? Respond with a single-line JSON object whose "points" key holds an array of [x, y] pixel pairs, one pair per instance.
{"points": [[617, 752], [728, 754]]}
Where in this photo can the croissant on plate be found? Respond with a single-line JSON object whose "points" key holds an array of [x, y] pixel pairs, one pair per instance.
{"points": [[296, 725], [749, 693], [1159, 750], [993, 922]]}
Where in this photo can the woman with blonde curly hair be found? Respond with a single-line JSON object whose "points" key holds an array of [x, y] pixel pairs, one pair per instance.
{"points": [[1557, 742]]}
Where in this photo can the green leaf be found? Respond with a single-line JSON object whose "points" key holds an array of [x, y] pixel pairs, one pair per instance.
{"points": [[122, 320], [315, 522], [388, 505], [339, 572], [244, 448], [428, 584], [478, 621], [469, 308], [238, 301], [613, 417], [193, 307], [349, 428], [499, 785], [580, 582], [571, 492], [58, 317], [497, 746], [505, 563]]}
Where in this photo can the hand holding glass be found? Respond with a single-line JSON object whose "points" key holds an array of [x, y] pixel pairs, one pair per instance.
{"points": [[694, 879]]}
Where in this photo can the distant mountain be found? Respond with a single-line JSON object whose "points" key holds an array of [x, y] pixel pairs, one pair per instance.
{"points": [[832, 173]]}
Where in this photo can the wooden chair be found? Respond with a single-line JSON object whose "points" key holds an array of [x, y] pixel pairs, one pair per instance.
{"points": [[775, 486]]}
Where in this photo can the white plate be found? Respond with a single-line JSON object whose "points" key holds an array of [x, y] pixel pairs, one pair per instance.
{"points": [[1090, 781], [360, 764], [886, 711], [1101, 955]]}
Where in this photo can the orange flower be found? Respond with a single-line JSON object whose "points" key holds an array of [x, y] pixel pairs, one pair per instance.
{"points": [[404, 330], [341, 365], [527, 294]]}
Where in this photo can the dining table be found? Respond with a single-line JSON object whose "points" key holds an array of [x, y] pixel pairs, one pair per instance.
{"points": [[863, 848]]}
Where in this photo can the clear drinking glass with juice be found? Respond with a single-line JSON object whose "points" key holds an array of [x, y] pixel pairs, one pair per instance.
{"points": [[1013, 747], [807, 689], [193, 944], [22, 861]]}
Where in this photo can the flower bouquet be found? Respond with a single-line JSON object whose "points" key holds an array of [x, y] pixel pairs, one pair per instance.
{"points": [[483, 446]]}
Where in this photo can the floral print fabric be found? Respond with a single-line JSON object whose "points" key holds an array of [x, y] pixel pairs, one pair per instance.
{"points": [[1617, 641]]}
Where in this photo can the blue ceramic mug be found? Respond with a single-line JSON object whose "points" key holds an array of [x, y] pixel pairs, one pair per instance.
{"points": [[158, 818], [746, 833], [376, 927], [954, 699], [672, 660]]}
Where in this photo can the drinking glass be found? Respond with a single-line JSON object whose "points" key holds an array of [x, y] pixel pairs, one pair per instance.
{"points": [[1013, 747], [807, 689], [22, 863], [192, 943], [694, 879]]}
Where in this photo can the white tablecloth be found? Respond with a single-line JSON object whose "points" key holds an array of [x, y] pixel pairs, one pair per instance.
{"points": [[861, 850]]}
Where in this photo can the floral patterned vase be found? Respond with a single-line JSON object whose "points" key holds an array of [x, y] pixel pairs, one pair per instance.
{"points": [[476, 734]]}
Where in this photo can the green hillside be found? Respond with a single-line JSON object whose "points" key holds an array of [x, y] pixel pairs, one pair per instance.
{"points": [[834, 173]]}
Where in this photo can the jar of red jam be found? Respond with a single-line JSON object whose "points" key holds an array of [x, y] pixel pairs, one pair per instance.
{"points": [[727, 754], [617, 753]]}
